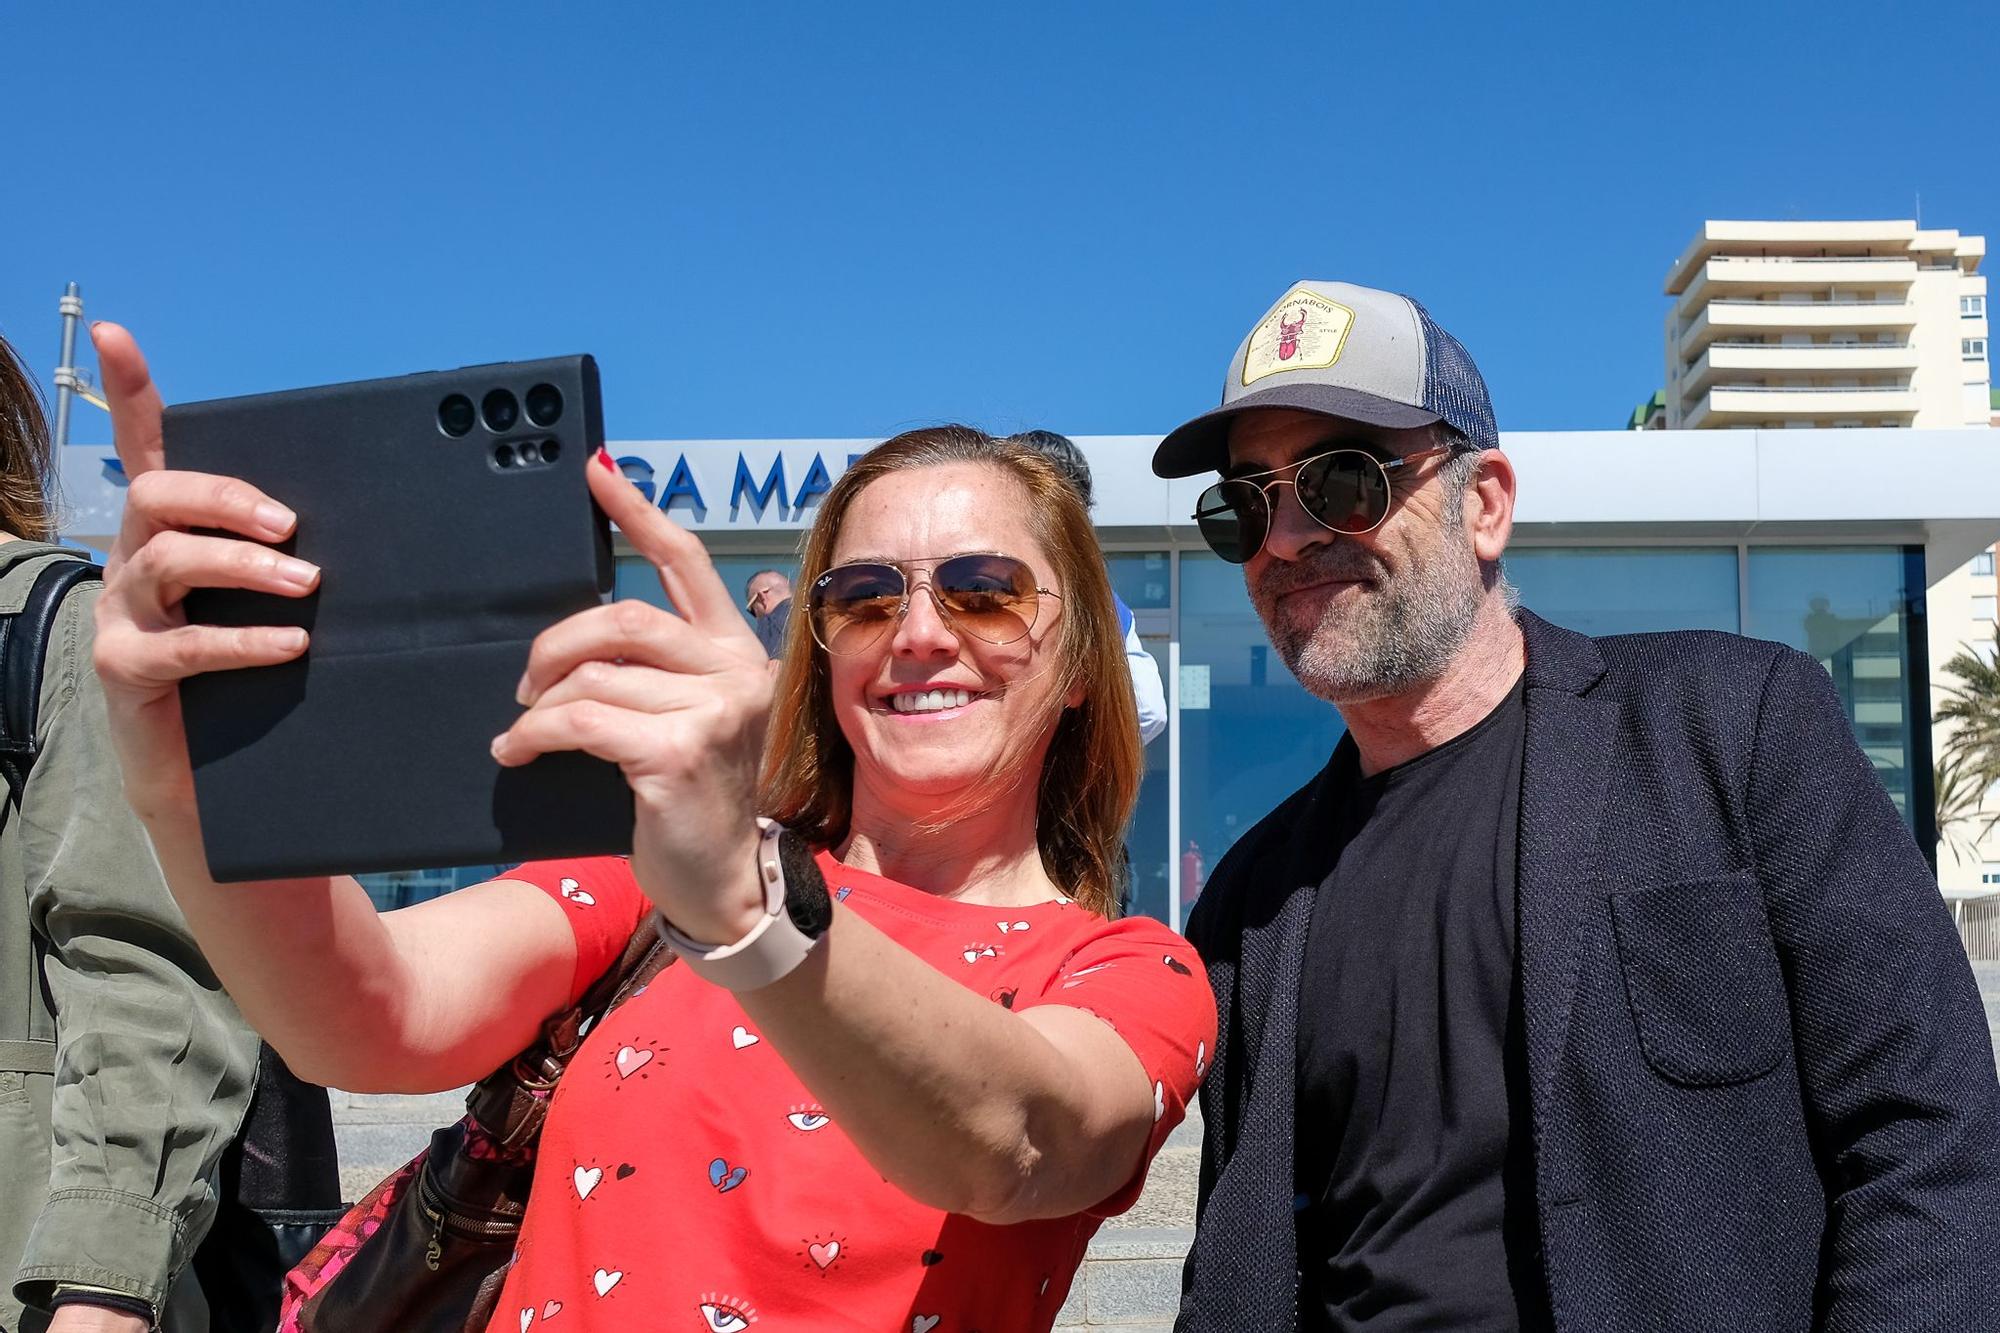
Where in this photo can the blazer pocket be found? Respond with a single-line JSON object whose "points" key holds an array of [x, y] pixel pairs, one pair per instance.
{"points": [[1702, 980]]}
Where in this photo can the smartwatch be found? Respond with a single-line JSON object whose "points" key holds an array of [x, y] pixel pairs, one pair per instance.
{"points": [[797, 912]]}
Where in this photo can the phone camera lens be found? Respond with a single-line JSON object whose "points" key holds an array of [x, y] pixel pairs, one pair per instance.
{"points": [[455, 415], [503, 454], [501, 410], [544, 404], [551, 450]]}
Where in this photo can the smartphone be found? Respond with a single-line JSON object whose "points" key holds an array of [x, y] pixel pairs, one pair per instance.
{"points": [[450, 516]]}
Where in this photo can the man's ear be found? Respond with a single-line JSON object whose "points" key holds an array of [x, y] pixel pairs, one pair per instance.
{"points": [[1489, 505]]}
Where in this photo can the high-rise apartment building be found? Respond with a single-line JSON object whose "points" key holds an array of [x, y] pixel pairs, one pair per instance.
{"points": [[1788, 324], [1778, 324]]}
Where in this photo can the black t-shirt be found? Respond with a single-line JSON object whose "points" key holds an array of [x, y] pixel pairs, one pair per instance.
{"points": [[1413, 1134]]}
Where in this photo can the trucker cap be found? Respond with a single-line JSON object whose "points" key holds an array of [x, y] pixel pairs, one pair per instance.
{"points": [[1344, 351]]}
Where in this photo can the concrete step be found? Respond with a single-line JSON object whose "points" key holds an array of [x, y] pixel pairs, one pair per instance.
{"points": [[1168, 1198], [1130, 1280], [378, 1133]]}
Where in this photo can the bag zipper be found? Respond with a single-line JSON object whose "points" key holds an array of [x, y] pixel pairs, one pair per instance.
{"points": [[430, 1200]]}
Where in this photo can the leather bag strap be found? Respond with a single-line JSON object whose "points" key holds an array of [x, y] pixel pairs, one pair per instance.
{"points": [[511, 1102]]}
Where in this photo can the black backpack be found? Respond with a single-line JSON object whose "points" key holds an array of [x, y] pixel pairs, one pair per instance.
{"points": [[280, 1182]]}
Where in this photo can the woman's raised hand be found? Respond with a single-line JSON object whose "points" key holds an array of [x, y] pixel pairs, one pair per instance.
{"points": [[145, 646], [679, 703], [676, 701]]}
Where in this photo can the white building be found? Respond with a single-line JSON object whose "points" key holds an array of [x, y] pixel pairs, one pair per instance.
{"points": [[1786, 324], [1780, 325]]}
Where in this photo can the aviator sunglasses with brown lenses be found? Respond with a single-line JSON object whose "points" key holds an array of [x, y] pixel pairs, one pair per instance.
{"points": [[989, 596], [1344, 490]]}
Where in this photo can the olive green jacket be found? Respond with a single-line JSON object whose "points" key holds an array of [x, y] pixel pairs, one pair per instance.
{"points": [[124, 1068]]}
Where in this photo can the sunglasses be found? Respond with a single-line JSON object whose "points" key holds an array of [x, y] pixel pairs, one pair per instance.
{"points": [[991, 597], [1347, 491]]}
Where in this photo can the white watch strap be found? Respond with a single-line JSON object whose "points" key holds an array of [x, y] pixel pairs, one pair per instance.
{"points": [[772, 948]]}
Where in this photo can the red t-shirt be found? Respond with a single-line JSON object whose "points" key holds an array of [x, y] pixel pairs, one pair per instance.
{"points": [[688, 1180]]}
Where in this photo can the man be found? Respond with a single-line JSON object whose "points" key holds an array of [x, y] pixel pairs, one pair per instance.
{"points": [[124, 1068], [1593, 985], [1147, 689], [768, 598]]}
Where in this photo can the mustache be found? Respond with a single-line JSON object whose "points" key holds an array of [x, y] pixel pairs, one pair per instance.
{"points": [[1345, 562]]}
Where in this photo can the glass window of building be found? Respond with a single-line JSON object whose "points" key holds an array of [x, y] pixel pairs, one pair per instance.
{"points": [[1250, 734], [1144, 581], [1849, 608], [634, 578], [1982, 564], [1628, 590]]}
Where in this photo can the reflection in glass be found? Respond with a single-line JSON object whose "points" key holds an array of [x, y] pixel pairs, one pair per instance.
{"points": [[1146, 838], [1628, 590], [1144, 581], [1250, 734], [1848, 607], [1143, 578], [402, 888], [634, 578]]}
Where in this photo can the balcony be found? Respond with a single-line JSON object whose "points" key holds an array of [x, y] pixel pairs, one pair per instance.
{"points": [[1725, 319], [1734, 275], [1727, 360], [1752, 404]]}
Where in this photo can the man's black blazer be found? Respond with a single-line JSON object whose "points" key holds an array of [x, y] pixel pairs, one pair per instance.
{"points": [[1762, 1088]]}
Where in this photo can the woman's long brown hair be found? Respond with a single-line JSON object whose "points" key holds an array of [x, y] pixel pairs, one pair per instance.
{"points": [[25, 461], [1090, 777]]}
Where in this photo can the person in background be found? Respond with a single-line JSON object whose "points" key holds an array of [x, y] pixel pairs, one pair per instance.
{"points": [[124, 1068], [1147, 690], [768, 598], [1596, 984]]}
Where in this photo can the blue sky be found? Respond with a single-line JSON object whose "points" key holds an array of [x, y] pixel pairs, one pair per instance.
{"points": [[820, 220]]}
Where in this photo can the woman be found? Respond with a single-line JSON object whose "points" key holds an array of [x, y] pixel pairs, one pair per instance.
{"points": [[913, 1121]]}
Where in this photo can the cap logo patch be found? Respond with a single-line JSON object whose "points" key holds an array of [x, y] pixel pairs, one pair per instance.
{"points": [[1305, 332]]}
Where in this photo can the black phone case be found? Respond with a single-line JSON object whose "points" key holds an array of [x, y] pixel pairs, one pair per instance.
{"points": [[439, 567]]}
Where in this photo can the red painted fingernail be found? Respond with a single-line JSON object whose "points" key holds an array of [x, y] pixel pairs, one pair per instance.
{"points": [[604, 457]]}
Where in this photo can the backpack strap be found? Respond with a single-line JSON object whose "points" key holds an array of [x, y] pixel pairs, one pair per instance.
{"points": [[24, 645]]}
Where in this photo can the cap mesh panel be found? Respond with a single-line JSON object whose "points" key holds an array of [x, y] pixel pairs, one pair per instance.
{"points": [[1453, 387]]}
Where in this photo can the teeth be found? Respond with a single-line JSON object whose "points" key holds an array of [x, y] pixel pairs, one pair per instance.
{"points": [[930, 701]]}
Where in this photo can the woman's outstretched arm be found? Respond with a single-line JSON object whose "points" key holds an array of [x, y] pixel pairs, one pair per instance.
{"points": [[428, 997]]}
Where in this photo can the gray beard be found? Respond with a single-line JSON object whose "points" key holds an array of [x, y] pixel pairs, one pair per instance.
{"points": [[1402, 632]]}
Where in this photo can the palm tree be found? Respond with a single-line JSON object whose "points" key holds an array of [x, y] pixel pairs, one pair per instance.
{"points": [[1972, 706], [1961, 822]]}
